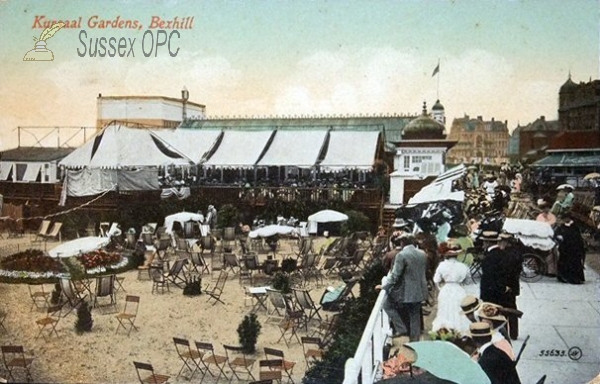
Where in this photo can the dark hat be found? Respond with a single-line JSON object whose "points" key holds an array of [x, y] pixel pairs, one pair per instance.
{"points": [[469, 304], [400, 223], [480, 329], [489, 236]]}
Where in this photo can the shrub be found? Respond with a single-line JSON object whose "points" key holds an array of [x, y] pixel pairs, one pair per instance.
{"points": [[227, 216], [248, 332], [357, 222], [281, 282]]}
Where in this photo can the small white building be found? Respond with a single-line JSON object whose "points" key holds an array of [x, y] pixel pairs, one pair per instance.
{"points": [[156, 111], [32, 164]]}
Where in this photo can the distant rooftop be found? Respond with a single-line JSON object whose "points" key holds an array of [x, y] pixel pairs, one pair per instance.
{"points": [[32, 154]]}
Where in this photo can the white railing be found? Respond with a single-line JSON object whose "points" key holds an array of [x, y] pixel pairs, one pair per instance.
{"points": [[362, 368]]}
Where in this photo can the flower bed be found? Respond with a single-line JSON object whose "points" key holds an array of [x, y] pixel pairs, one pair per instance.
{"points": [[31, 260], [98, 258]]}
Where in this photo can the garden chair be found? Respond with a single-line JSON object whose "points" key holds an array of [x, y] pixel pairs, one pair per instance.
{"points": [[43, 231], [159, 280], [269, 370], [231, 262], [145, 373], [305, 301], [216, 292], [55, 233], [51, 320], [291, 322], [198, 264], [277, 301], [239, 362], [285, 366], [3, 315], [105, 287], [327, 329], [210, 358], [129, 314], [312, 348], [74, 298], [174, 274], [39, 297], [191, 358], [14, 358]]}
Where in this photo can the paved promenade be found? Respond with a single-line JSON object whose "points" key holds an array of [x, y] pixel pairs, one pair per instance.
{"points": [[559, 318]]}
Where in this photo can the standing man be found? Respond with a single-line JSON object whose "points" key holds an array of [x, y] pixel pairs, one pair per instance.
{"points": [[494, 286], [407, 286], [512, 265]]}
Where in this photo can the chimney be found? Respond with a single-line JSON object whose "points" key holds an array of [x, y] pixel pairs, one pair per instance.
{"points": [[480, 118], [492, 120], [543, 118]]}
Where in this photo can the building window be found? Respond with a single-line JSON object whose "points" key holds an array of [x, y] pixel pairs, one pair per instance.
{"points": [[406, 162], [420, 159]]}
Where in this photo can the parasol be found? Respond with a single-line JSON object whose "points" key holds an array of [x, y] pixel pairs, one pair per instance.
{"points": [[593, 175], [271, 230], [563, 186], [446, 361], [182, 218], [79, 246], [327, 216]]}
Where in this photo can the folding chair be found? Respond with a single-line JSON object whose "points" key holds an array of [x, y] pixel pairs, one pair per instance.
{"points": [[239, 362], [216, 292], [54, 233], [39, 298], [198, 263], [50, 321], [284, 366], [307, 304], [231, 262], [159, 280], [292, 321], [145, 373], [327, 330], [43, 231], [270, 370], [14, 358], [129, 313], [74, 298], [174, 273], [3, 315], [188, 356], [210, 358], [312, 348], [277, 307], [105, 287]]}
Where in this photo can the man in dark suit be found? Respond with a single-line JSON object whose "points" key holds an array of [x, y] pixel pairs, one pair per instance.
{"points": [[494, 286], [406, 285], [495, 363], [512, 265]]}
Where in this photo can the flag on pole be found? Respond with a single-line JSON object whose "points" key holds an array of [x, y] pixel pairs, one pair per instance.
{"points": [[436, 70]]}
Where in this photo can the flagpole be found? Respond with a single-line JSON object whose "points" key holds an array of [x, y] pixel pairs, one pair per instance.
{"points": [[438, 80]]}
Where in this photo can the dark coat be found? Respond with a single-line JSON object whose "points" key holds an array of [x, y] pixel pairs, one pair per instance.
{"points": [[494, 284], [498, 366], [571, 257]]}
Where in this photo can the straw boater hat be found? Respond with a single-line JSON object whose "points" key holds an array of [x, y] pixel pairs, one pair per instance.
{"points": [[505, 236], [480, 329], [469, 304], [449, 250], [489, 236], [400, 223], [490, 311]]}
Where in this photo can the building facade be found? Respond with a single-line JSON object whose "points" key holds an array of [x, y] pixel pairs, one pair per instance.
{"points": [[478, 141], [579, 106], [535, 137]]}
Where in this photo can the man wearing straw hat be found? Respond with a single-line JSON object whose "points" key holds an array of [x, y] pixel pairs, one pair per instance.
{"points": [[494, 286], [495, 363]]}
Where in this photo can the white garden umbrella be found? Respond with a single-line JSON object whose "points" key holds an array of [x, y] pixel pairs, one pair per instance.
{"points": [[182, 218], [327, 216], [79, 246], [271, 230]]}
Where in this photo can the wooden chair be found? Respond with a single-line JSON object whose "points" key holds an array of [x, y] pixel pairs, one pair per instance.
{"points": [[105, 287], [55, 233], [292, 321], [239, 362], [159, 280], [43, 231], [191, 358], [312, 348], [285, 366], [198, 264], [307, 304], [51, 320], [74, 298], [145, 373], [39, 297], [129, 314], [3, 315], [216, 292], [210, 358], [14, 358], [175, 272], [270, 370], [231, 262], [277, 307]]}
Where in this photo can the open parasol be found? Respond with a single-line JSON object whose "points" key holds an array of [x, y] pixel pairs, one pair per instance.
{"points": [[79, 246], [564, 186], [327, 216], [593, 175], [445, 360]]}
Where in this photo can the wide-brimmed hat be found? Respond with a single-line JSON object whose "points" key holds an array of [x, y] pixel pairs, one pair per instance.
{"points": [[469, 304], [505, 236], [449, 249], [400, 223], [489, 236], [490, 311], [565, 186], [480, 329]]}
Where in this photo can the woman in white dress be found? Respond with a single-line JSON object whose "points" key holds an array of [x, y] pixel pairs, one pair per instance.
{"points": [[450, 275]]}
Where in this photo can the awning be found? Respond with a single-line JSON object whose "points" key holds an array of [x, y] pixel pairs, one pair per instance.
{"points": [[193, 143], [569, 160], [350, 150], [441, 188], [294, 148], [32, 172], [239, 149], [5, 169]]}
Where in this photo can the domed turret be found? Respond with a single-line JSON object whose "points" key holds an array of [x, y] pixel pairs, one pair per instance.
{"points": [[437, 106], [423, 128], [568, 86], [438, 114]]}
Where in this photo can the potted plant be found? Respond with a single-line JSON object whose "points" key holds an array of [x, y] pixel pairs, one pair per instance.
{"points": [[281, 282], [248, 332]]}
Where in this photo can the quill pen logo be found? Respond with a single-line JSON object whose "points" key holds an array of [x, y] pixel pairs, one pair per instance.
{"points": [[40, 52]]}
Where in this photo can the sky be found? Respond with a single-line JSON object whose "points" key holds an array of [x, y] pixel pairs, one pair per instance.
{"points": [[501, 59]]}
